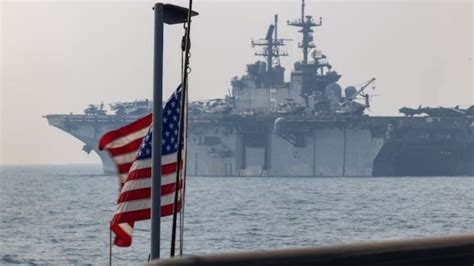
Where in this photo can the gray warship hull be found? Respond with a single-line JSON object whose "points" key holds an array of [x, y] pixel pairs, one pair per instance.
{"points": [[236, 145], [307, 126]]}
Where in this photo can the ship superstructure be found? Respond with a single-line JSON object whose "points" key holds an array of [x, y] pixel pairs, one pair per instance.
{"points": [[307, 126]]}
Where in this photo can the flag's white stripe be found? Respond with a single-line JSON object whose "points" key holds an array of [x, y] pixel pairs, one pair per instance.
{"points": [[140, 164], [136, 184], [169, 158], [127, 139], [146, 182], [170, 178], [126, 228], [135, 205], [146, 163], [143, 204], [125, 158], [123, 178]]}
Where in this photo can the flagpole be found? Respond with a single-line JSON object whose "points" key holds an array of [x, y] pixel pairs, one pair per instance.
{"points": [[169, 14], [156, 139]]}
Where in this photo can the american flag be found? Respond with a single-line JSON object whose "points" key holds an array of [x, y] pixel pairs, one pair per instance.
{"points": [[130, 149]]}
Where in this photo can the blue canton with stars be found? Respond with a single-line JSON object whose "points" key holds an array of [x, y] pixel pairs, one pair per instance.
{"points": [[170, 129]]}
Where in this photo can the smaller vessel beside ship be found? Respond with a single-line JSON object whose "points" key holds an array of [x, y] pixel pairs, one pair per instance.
{"points": [[307, 126]]}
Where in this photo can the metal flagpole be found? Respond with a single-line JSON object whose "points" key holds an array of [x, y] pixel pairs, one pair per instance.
{"points": [[156, 139], [169, 14]]}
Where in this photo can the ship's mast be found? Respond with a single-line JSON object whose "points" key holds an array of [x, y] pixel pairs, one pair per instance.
{"points": [[271, 44], [277, 48], [306, 23]]}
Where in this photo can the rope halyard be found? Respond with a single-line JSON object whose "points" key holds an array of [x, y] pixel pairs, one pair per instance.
{"points": [[185, 117], [182, 137], [110, 246], [187, 70]]}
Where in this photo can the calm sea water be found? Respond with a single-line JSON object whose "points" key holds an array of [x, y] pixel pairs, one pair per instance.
{"points": [[60, 214]]}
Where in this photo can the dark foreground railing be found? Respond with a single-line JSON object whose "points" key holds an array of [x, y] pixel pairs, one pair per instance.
{"points": [[448, 250]]}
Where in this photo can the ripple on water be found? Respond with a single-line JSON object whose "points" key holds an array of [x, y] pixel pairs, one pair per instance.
{"points": [[61, 214]]}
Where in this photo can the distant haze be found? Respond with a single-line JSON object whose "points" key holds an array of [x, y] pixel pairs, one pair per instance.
{"points": [[58, 57]]}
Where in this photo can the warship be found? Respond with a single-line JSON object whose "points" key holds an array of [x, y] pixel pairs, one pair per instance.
{"points": [[307, 126]]}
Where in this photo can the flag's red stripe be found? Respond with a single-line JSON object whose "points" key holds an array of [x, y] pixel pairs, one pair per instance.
{"points": [[124, 168], [137, 194], [168, 210], [131, 216], [139, 174], [166, 169], [145, 193], [122, 239], [170, 168], [130, 147], [139, 215], [123, 131]]}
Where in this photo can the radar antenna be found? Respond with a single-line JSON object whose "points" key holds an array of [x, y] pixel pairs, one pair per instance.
{"points": [[271, 46], [306, 23]]}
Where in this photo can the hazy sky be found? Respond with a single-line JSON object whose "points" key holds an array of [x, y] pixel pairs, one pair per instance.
{"points": [[57, 57]]}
